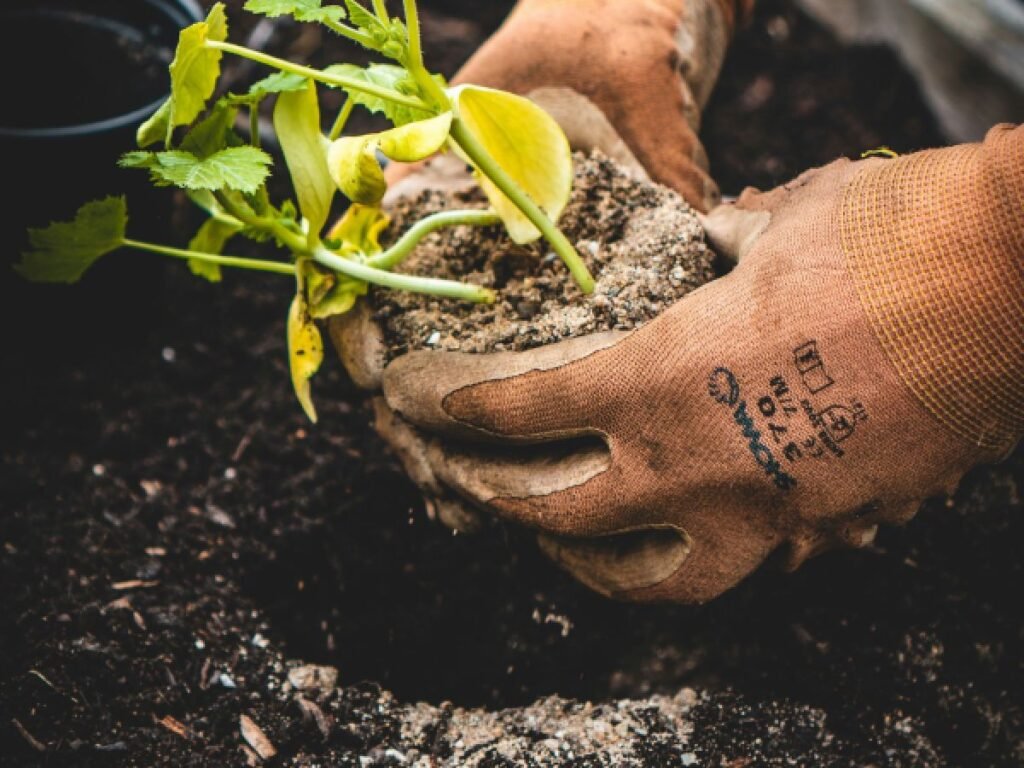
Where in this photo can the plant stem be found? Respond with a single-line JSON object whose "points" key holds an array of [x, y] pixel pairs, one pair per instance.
{"points": [[415, 66], [324, 77], [487, 165], [221, 261], [381, 9], [342, 119], [394, 255], [367, 274], [254, 125], [352, 34], [412, 23]]}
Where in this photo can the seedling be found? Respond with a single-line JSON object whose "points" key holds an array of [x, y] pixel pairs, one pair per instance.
{"points": [[520, 158]]}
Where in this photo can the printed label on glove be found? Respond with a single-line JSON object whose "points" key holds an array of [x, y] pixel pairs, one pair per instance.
{"points": [[817, 435]]}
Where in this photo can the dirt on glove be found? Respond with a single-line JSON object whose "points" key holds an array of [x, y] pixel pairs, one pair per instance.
{"points": [[642, 242]]}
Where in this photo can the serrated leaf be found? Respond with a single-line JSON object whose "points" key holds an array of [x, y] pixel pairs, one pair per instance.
{"points": [[416, 141], [386, 76], [212, 236], [297, 124], [359, 230], [239, 168], [301, 10], [527, 143], [352, 162], [195, 69], [63, 251], [137, 159], [156, 127], [305, 352]]}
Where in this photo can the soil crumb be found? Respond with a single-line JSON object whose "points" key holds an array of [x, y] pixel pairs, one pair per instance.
{"points": [[642, 242]]}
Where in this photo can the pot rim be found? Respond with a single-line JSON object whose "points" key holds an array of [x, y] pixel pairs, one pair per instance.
{"points": [[183, 12]]}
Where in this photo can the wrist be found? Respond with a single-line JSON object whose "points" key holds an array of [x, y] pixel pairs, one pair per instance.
{"points": [[935, 245]]}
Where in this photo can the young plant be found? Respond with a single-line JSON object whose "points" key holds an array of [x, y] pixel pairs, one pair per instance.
{"points": [[519, 155]]}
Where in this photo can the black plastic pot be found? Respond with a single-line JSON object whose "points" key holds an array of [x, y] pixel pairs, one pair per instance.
{"points": [[80, 76]]}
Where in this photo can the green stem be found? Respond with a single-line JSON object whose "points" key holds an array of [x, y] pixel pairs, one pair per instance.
{"points": [[254, 125], [396, 280], [351, 33], [394, 255], [342, 119], [415, 65], [290, 240], [324, 77], [210, 258], [476, 152], [381, 9]]}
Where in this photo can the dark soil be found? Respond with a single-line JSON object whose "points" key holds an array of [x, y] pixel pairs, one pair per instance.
{"points": [[174, 532], [641, 241]]}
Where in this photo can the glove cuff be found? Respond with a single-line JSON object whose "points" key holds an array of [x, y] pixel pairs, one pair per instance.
{"points": [[935, 244]]}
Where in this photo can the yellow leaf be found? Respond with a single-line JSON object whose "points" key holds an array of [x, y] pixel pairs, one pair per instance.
{"points": [[527, 143], [416, 141], [360, 228], [305, 352], [297, 125], [352, 161]]}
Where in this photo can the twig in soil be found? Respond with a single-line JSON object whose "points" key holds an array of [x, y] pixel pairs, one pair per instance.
{"points": [[256, 738], [35, 743], [243, 445], [174, 726], [133, 584]]}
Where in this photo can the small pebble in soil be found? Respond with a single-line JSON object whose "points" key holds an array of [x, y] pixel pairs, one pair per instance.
{"points": [[643, 243]]}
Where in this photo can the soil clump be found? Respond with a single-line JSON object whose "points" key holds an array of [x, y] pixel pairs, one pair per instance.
{"points": [[642, 242]]}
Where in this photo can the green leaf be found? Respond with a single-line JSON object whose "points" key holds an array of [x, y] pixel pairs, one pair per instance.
{"points": [[63, 251], [363, 19], [156, 127], [211, 238], [352, 162], [297, 124], [279, 82], [416, 141], [305, 352], [214, 132], [238, 168], [387, 76], [527, 143], [301, 10], [195, 69]]}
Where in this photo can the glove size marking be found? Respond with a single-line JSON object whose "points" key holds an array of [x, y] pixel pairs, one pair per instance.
{"points": [[780, 410]]}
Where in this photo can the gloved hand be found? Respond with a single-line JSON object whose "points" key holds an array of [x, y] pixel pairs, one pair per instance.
{"points": [[866, 352], [629, 77]]}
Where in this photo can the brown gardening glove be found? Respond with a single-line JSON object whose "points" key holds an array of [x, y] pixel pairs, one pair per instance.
{"points": [[865, 353], [628, 76]]}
